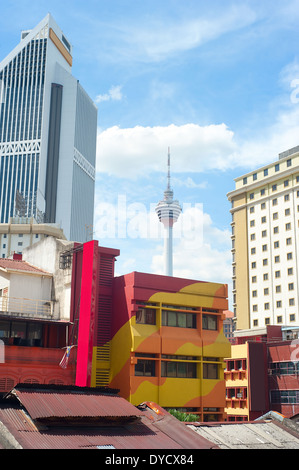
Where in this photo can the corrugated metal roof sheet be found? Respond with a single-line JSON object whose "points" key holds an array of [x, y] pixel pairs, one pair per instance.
{"points": [[42, 404], [155, 428]]}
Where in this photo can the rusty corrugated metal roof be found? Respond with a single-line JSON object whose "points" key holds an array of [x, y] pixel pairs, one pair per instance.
{"points": [[75, 403], [24, 409]]}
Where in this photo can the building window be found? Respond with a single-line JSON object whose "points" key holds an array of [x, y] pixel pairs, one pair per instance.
{"points": [[263, 191], [291, 286], [277, 274], [245, 180], [252, 223], [209, 322], [274, 202], [278, 289], [254, 308], [284, 368], [276, 244], [266, 172], [277, 167], [253, 251], [266, 291], [266, 277], [179, 367], [286, 183], [267, 321], [288, 226], [146, 316], [263, 205], [275, 215], [276, 259], [254, 293], [255, 323], [265, 262], [264, 247], [274, 187], [263, 219], [252, 237], [145, 367], [253, 265], [289, 162], [210, 371], [289, 256], [275, 229], [251, 210], [21, 333], [251, 196], [279, 319], [285, 396], [254, 176], [253, 279], [264, 233], [287, 211], [278, 304], [289, 241], [178, 319], [292, 317], [286, 197], [291, 302], [267, 306], [290, 271]]}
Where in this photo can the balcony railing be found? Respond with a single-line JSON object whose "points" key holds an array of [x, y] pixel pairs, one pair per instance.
{"points": [[26, 308]]}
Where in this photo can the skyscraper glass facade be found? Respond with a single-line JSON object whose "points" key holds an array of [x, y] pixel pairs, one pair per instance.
{"points": [[48, 127], [22, 83]]}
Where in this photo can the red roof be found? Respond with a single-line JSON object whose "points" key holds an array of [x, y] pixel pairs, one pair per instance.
{"points": [[8, 264], [43, 404], [27, 412]]}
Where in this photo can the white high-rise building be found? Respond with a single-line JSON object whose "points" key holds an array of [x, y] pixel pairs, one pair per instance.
{"points": [[265, 244], [48, 127]]}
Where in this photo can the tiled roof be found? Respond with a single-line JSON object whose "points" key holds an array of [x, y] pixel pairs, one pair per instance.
{"points": [[8, 264]]}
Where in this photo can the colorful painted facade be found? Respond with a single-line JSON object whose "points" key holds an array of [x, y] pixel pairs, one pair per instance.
{"points": [[262, 373], [155, 338]]}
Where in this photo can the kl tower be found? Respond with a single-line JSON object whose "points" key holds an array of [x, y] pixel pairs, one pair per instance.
{"points": [[168, 211]]}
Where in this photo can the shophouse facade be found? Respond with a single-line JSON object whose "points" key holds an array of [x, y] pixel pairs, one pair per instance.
{"points": [[154, 338]]}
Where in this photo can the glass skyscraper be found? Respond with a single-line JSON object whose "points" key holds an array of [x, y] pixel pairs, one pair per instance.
{"points": [[48, 127]]}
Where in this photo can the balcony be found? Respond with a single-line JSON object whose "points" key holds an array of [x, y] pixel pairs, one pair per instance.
{"points": [[18, 355], [26, 308]]}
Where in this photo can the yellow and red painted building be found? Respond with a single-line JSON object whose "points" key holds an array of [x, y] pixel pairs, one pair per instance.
{"points": [[155, 338]]}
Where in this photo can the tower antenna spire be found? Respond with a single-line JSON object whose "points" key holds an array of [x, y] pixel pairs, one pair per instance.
{"points": [[168, 176]]}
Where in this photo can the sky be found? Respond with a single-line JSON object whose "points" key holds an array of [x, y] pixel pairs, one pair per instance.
{"points": [[215, 82]]}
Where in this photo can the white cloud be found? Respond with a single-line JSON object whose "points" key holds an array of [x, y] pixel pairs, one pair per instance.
{"points": [[114, 94], [140, 150]]}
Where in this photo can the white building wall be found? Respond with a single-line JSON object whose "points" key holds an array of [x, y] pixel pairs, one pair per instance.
{"points": [[28, 286], [273, 221]]}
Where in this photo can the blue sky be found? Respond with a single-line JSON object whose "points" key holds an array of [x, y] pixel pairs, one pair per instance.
{"points": [[214, 81]]}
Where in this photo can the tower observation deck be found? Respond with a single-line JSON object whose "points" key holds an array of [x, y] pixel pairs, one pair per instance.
{"points": [[168, 210]]}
